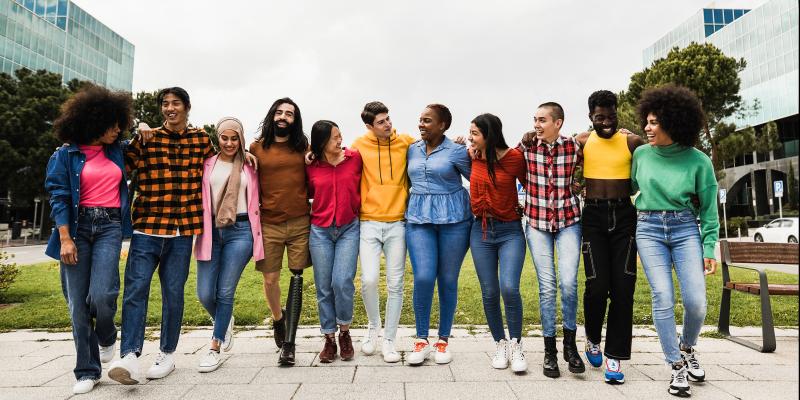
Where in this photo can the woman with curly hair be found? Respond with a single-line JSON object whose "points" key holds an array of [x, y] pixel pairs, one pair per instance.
{"points": [[89, 201], [676, 185]]}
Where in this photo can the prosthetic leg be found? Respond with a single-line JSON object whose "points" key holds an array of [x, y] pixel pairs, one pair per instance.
{"points": [[294, 303]]}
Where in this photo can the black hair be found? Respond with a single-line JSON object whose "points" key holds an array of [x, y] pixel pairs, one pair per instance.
{"points": [[371, 110], [297, 139], [492, 130], [92, 111], [556, 111], [678, 110], [178, 92], [320, 135], [602, 98], [443, 113]]}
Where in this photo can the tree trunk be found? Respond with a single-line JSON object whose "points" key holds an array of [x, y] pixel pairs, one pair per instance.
{"points": [[707, 130]]}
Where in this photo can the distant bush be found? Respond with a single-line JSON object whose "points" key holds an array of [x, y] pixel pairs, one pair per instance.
{"points": [[736, 223], [8, 272]]}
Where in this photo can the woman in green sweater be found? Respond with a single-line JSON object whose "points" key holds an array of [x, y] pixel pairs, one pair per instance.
{"points": [[676, 185]]}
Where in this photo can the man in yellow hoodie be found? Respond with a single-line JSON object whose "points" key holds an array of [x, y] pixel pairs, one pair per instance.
{"points": [[384, 193]]}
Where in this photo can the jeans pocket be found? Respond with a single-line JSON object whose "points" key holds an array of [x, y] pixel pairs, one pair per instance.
{"points": [[588, 260], [686, 216], [641, 216], [630, 257]]}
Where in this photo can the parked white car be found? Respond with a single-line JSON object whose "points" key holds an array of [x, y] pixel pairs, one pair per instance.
{"points": [[781, 230]]}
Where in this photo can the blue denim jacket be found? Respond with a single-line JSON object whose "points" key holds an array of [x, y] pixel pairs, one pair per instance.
{"points": [[437, 192], [63, 184]]}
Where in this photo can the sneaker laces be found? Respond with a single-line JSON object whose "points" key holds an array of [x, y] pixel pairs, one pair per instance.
{"points": [[516, 352], [501, 351], [679, 376], [441, 346], [592, 348], [161, 357], [691, 360], [612, 365], [420, 345]]}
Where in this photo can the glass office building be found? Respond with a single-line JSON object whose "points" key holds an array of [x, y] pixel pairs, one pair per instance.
{"points": [[766, 37], [61, 37]]}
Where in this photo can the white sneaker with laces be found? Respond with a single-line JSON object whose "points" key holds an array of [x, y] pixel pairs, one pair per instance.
{"points": [[369, 344], [679, 384], [390, 355], [107, 353], [162, 366], [125, 370], [442, 355], [210, 362], [84, 386], [227, 345], [422, 349], [518, 363], [695, 372], [500, 359]]}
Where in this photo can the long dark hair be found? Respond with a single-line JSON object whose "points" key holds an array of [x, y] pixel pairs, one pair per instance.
{"points": [[492, 130], [297, 139], [320, 135]]}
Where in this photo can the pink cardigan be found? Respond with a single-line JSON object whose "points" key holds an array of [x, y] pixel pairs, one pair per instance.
{"points": [[202, 246]]}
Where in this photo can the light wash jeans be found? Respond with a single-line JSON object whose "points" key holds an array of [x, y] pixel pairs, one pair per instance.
{"points": [[388, 238], [666, 239], [334, 254], [543, 245]]}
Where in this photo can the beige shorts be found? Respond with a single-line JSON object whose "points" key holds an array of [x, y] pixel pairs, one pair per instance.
{"points": [[291, 236]]}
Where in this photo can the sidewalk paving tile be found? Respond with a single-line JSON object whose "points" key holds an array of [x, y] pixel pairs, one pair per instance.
{"points": [[350, 391], [564, 389], [217, 392], [773, 373], [458, 390], [149, 392], [269, 375], [21, 363], [714, 372], [403, 373], [183, 376], [29, 378], [35, 393], [657, 390], [760, 390]]}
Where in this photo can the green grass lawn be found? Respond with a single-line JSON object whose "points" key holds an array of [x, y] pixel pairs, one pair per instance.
{"points": [[37, 301]]}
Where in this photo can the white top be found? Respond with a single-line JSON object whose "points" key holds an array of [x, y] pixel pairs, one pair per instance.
{"points": [[219, 177]]}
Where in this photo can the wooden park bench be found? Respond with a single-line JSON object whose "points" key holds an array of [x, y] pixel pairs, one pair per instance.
{"points": [[755, 253]]}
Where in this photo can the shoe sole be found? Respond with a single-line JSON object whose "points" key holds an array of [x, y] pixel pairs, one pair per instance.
{"points": [[577, 370], [162, 376], [122, 376], [208, 369], [615, 381], [695, 379], [519, 370], [679, 392], [552, 374], [421, 361]]}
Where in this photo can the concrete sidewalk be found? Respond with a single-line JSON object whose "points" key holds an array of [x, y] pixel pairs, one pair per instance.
{"points": [[38, 365]]}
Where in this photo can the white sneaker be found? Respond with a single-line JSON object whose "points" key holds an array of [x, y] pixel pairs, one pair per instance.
{"points": [[390, 355], [162, 366], [84, 386], [695, 372], [442, 355], [500, 359], [227, 345], [369, 344], [210, 362], [679, 384], [518, 363], [125, 370], [422, 349], [107, 353]]}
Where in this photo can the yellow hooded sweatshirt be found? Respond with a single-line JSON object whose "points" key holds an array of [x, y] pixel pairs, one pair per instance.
{"points": [[384, 181]]}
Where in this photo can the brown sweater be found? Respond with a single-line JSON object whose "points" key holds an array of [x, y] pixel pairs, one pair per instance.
{"points": [[282, 181]]}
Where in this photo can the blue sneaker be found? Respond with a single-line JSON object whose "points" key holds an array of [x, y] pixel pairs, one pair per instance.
{"points": [[593, 354], [614, 375]]}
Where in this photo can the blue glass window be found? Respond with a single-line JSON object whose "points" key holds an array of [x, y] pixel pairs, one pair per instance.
{"points": [[737, 13], [28, 4], [61, 22], [745, 11], [39, 9], [728, 14], [708, 16], [718, 16], [709, 29], [62, 8]]}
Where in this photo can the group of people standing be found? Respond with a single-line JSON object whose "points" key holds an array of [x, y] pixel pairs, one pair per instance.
{"points": [[385, 194]]}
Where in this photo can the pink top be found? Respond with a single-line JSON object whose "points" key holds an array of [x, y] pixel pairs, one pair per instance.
{"points": [[335, 190], [202, 245], [99, 179]]}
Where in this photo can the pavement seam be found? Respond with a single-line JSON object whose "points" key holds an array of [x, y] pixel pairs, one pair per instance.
{"points": [[735, 373], [297, 389]]}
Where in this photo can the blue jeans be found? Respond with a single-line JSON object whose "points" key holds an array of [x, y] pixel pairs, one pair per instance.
{"points": [[217, 278], [436, 252], [171, 256], [504, 245], [666, 239], [543, 245], [334, 254], [91, 287]]}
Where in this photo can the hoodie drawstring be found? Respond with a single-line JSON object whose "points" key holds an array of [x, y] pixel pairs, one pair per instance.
{"points": [[380, 173], [391, 167]]}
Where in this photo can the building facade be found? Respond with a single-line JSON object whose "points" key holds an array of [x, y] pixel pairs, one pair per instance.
{"points": [[766, 37], [59, 36]]}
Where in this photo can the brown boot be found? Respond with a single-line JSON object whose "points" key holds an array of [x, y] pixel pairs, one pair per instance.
{"points": [[328, 352], [346, 344]]}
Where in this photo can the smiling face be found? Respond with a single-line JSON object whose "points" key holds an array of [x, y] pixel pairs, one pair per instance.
{"points": [[545, 126], [174, 111], [656, 136], [604, 121], [334, 144], [109, 137], [476, 138], [381, 126], [431, 127], [229, 143], [284, 118]]}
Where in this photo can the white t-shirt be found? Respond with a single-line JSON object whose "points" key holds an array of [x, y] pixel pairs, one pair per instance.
{"points": [[219, 177]]}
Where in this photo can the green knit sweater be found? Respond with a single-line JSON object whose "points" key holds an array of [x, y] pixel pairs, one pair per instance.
{"points": [[667, 178]]}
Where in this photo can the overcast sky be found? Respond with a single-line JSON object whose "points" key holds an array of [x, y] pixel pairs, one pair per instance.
{"points": [[498, 56]]}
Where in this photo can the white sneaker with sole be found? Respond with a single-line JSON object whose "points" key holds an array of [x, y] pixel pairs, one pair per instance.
{"points": [[84, 386], [695, 372], [422, 349], [162, 366], [227, 345], [390, 355], [125, 370], [679, 384], [518, 363], [369, 344], [442, 355], [107, 353], [210, 362], [500, 359]]}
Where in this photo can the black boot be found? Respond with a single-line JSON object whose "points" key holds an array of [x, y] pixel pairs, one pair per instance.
{"points": [[294, 302], [571, 355], [279, 329], [550, 366]]}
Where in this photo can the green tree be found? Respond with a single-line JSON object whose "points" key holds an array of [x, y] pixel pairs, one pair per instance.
{"points": [[731, 143], [211, 130], [791, 187], [766, 139], [146, 109], [707, 71]]}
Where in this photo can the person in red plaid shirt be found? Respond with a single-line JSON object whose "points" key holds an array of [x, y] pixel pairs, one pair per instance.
{"points": [[553, 212]]}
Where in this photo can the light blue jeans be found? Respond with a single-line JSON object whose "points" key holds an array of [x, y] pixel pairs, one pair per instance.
{"points": [[543, 246], [388, 238], [666, 239], [334, 254]]}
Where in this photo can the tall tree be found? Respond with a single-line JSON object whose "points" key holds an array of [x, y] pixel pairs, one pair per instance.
{"points": [[211, 130], [146, 109]]}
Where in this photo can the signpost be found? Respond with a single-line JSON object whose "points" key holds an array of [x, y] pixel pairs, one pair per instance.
{"points": [[723, 198], [777, 189]]}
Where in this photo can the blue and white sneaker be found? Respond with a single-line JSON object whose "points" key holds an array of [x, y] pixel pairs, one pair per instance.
{"points": [[593, 354], [614, 375]]}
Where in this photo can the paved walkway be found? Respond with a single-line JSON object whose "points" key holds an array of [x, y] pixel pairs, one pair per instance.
{"points": [[38, 365]]}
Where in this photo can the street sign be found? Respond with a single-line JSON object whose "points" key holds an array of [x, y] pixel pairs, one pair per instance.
{"points": [[723, 194], [777, 188]]}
